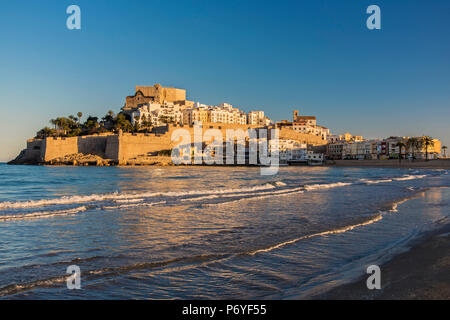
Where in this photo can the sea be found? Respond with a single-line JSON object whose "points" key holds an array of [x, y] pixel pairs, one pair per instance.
{"points": [[207, 232]]}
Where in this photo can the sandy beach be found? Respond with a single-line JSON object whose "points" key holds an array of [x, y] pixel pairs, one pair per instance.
{"points": [[422, 273], [437, 164]]}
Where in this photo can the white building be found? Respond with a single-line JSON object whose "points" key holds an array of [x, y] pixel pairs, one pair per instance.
{"points": [[291, 150], [158, 114], [314, 158], [309, 127]]}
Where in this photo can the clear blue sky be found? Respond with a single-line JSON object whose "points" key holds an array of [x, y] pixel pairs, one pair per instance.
{"points": [[315, 56]]}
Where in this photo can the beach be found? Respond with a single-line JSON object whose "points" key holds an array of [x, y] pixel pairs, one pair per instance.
{"points": [[421, 273], [392, 163]]}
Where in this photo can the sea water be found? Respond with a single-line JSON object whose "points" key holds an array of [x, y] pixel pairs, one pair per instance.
{"points": [[206, 232]]}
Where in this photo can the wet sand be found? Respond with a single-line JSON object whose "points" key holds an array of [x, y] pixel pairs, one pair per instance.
{"points": [[421, 273], [435, 164]]}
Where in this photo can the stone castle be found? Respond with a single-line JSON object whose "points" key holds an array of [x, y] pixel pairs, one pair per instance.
{"points": [[128, 148], [156, 94], [125, 148]]}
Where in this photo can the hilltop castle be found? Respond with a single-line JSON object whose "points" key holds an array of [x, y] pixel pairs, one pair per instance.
{"points": [[155, 94]]}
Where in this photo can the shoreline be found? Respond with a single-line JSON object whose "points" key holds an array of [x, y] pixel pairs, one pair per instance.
{"points": [[433, 164], [402, 278], [166, 161]]}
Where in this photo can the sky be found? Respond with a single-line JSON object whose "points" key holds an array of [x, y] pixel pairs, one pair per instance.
{"points": [[315, 56]]}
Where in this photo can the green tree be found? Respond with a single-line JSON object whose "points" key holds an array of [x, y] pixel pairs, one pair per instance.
{"points": [[445, 149], [62, 124], [108, 119], [91, 125], [54, 123], [414, 144], [137, 124], [427, 142], [45, 132], [400, 146], [79, 115], [122, 123]]}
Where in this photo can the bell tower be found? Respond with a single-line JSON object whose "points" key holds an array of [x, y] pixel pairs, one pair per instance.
{"points": [[296, 117]]}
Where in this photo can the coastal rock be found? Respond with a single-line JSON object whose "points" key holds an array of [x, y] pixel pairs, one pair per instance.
{"points": [[79, 159]]}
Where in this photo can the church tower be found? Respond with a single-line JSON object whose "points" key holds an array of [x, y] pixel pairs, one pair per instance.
{"points": [[296, 116]]}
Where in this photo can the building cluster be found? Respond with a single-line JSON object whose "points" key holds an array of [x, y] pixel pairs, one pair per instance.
{"points": [[158, 106], [292, 151], [356, 148], [305, 124]]}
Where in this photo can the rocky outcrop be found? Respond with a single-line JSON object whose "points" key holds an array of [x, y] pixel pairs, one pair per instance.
{"points": [[27, 156], [80, 159]]}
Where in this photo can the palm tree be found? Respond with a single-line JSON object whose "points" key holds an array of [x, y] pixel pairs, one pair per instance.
{"points": [[54, 122], [137, 121], [444, 148], [427, 142], [414, 144], [79, 114], [400, 146]]}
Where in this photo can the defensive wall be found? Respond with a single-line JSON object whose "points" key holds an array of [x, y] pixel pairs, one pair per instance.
{"points": [[124, 146]]}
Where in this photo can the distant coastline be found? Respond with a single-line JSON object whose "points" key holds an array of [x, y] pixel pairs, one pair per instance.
{"points": [[163, 161], [392, 163]]}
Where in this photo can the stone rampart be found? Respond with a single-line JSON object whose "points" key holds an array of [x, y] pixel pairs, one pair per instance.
{"points": [[125, 146]]}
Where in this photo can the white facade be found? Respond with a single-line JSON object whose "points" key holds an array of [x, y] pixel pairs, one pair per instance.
{"points": [[291, 150], [312, 156], [158, 114], [307, 128]]}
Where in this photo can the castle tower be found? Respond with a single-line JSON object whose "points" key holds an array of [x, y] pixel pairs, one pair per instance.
{"points": [[296, 116]]}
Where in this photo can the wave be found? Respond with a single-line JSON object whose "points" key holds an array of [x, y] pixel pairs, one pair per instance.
{"points": [[375, 181], [42, 214], [324, 233], [191, 261], [410, 177], [131, 200], [124, 196], [128, 200], [403, 178], [280, 193], [248, 195], [133, 205], [327, 186], [17, 288], [108, 271], [394, 205]]}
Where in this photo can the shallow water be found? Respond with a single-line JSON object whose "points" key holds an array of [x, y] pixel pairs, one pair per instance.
{"points": [[206, 232]]}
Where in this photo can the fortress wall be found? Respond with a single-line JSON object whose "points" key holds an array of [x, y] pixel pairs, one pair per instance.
{"points": [[95, 145], [59, 147], [33, 152], [131, 146], [127, 146], [112, 147]]}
